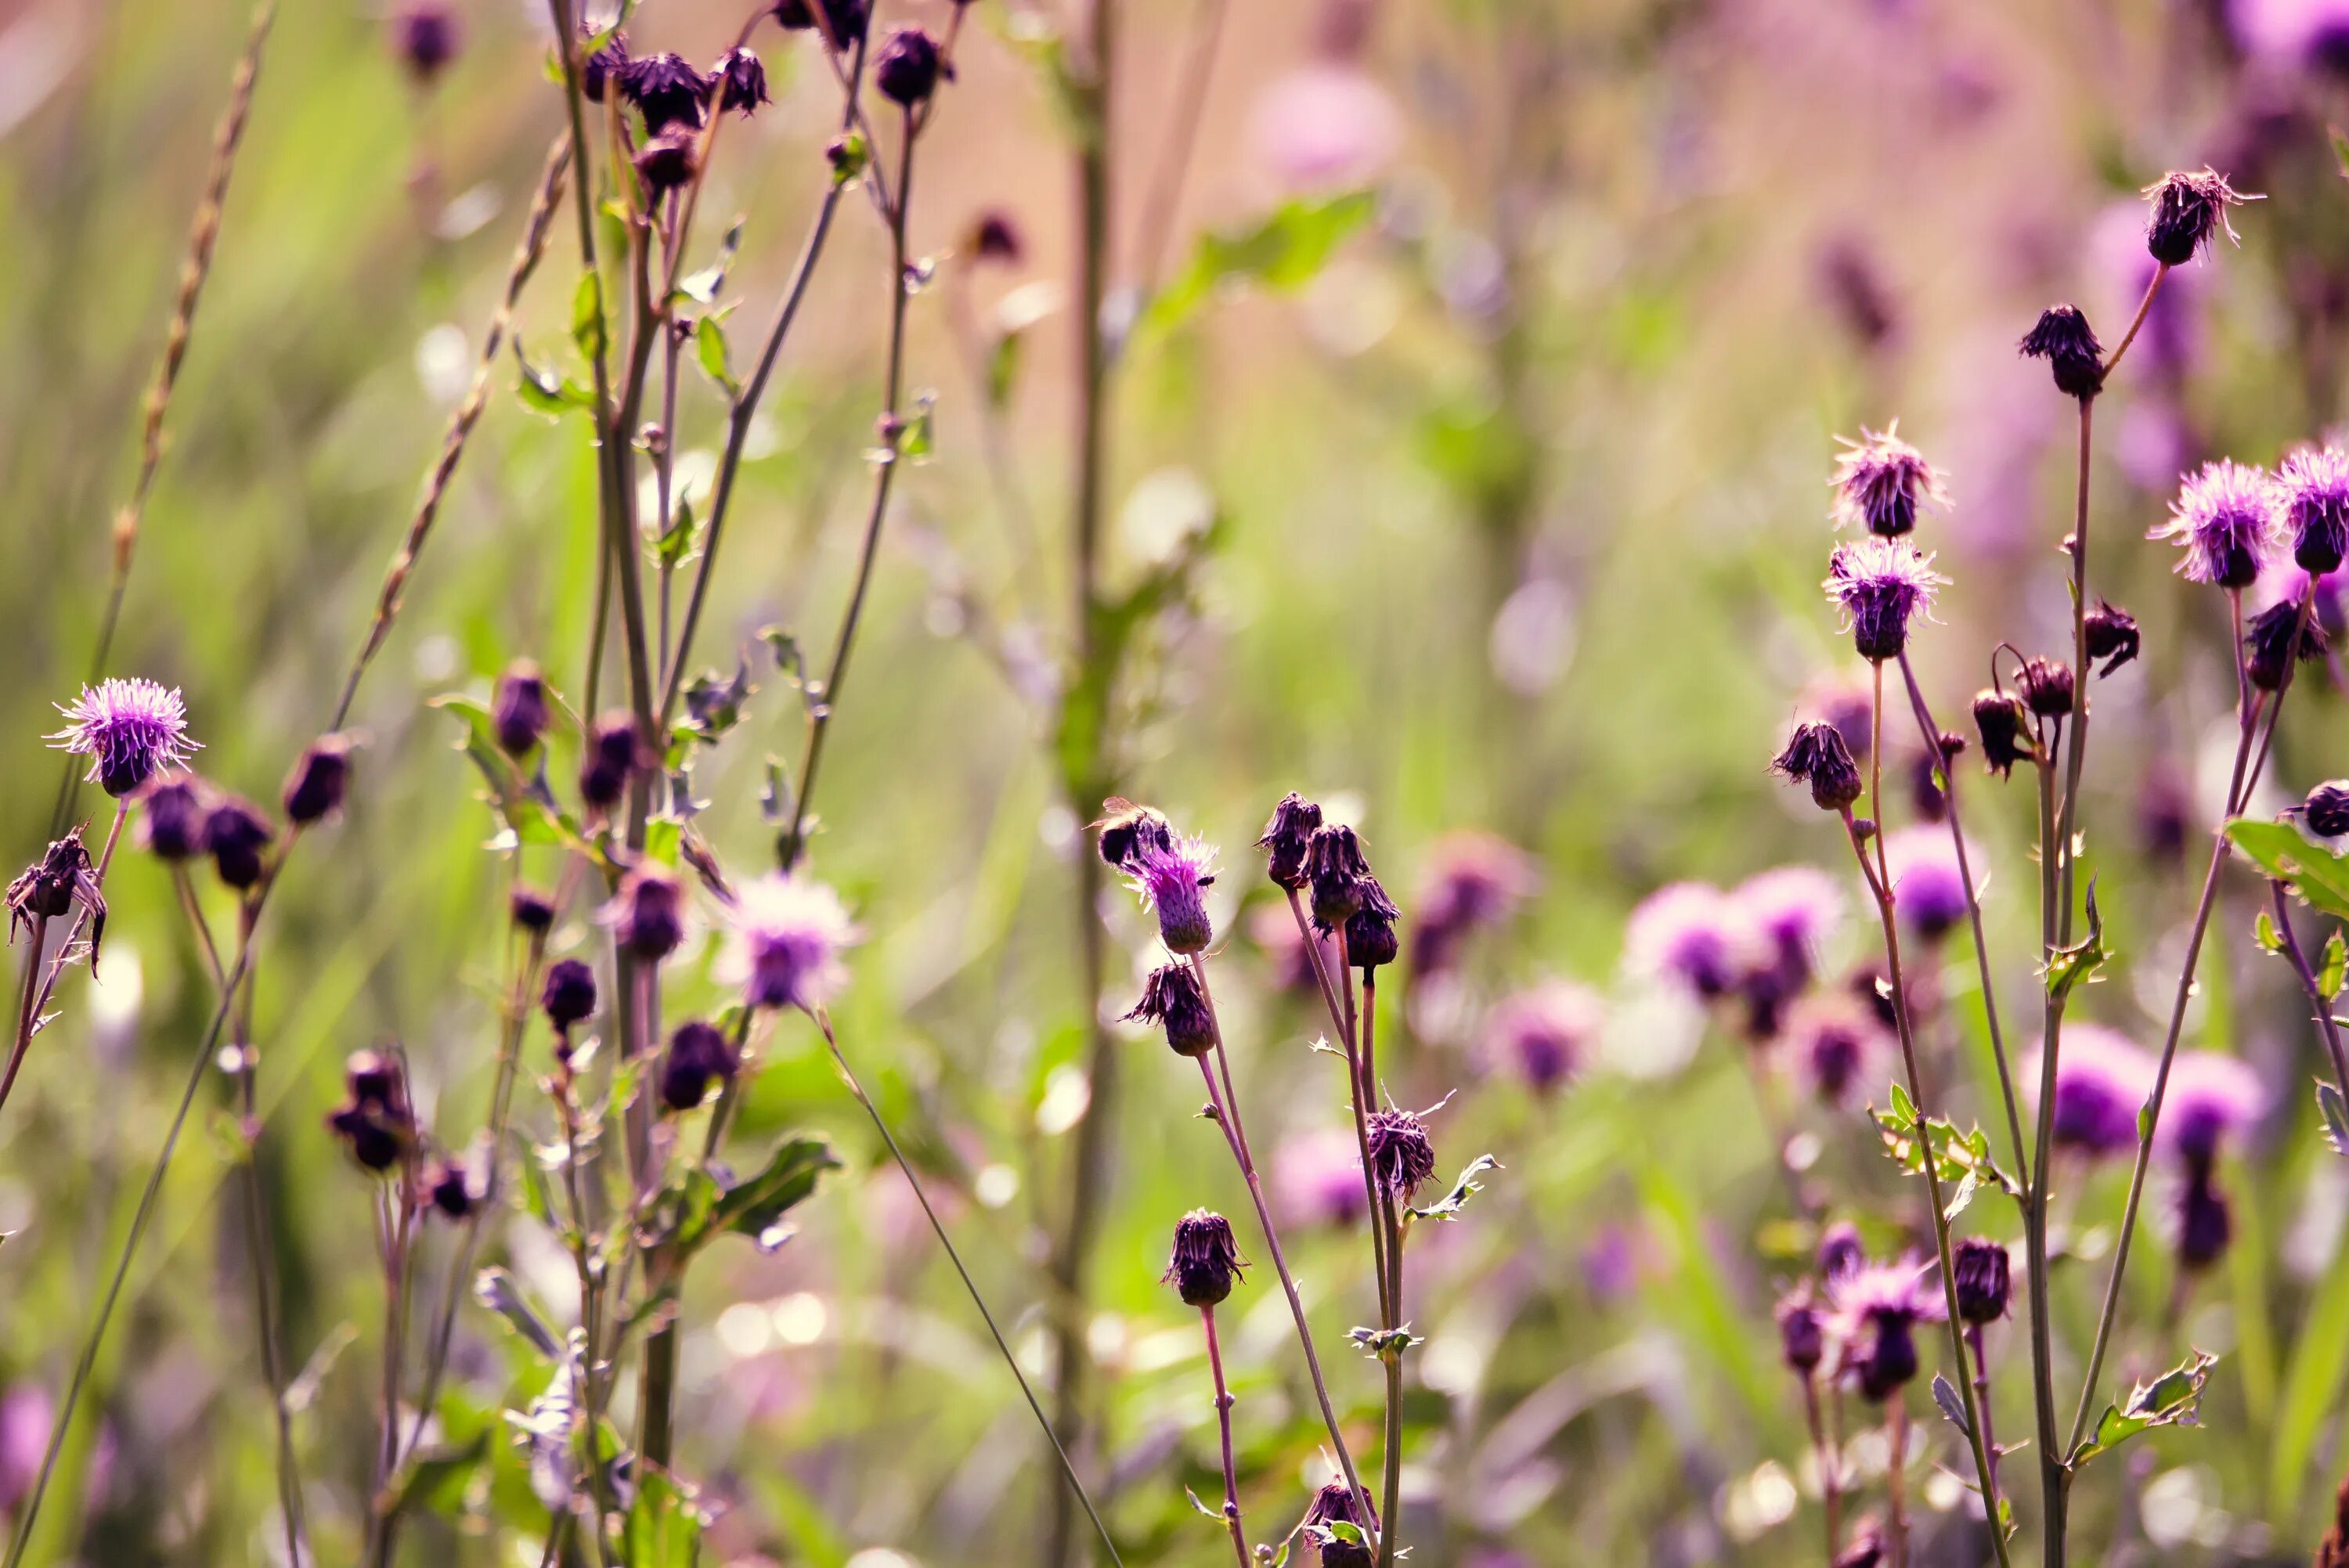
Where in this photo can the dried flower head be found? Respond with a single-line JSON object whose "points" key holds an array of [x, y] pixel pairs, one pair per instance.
{"points": [[130, 729], [1879, 480], [598, 70], [743, 78], [669, 159], [1205, 1259], [2187, 209], [1334, 865], [321, 777], [1370, 940], [518, 710], [1402, 1158], [1335, 1504], [173, 827], [1692, 935], [667, 90], [450, 1186], [2048, 689], [2211, 1096], [788, 934], [2270, 640], [1127, 830], [2325, 812], [2005, 726], [2063, 338], [2101, 1079], [1172, 881], [2229, 521], [647, 914], [1982, 1271], [2113, 635], [50, 887], [1473, 881], [1816, 755], [843, 21], [236, 834], [1173, 996], [908, 68], [1546, 1032], [1881, 583], [568, 996], [2315, 485], [1878, 1307], [699, 1054]]}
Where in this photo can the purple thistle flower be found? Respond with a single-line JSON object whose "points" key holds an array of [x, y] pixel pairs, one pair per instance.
{"points": [[2211, 1095], [2315, 485], [2101, 1079], [1545, 1031], [1984, 1276], [1879, 584], [1840, 1050], [1877, 1309], [1474, 881], [1171, 881], [1402, 1158], [788, 933], [1691, 934], [2229, 521], [1928, 887], [1880, 480], [130, 729]]}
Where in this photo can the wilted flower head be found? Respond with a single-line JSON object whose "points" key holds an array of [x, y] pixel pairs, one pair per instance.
{"points": [[2101, 1079], [1173, 996], [2229, 521], [1816, 755], [669, 159], [788, 933], [1545, 1031], [130, 729], [1693, 934], [236, 831], [1877, 1309], [1879, 584], [2272, 639], [907, 71], [647, 914], [742, 79], [2211, 1096], [2048, 689], [1205, 1259], [699, 1054], [596, 72], [1127, 830], [50, 887], [1335, 1504], [1334, 865], [2187, 209], [1928, 886], [2063, 338], [1370, 941], [1402, 1158], [1839, 1049], [173, 826], [2005, 726], [2325, 812], [1473, 881], [2113, 635], [667, 90], [2315, 485], [1172, 882], [1878, 481], [1982, 1271]]}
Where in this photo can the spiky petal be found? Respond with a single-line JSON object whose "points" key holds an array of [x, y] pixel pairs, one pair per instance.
{"points": [[788, 935], [130, 729], [1880, 482], [2228, 520]]}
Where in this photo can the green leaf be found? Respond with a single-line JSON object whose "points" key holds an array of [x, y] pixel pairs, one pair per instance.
{"points": [[588, 317], [1960, 1159], [664, 1527], [2264, 932], [2335, 967], [544, 391], [755, 1206], [1449, 1206], [704, 286], [710, 348], [2172, 1399], [2340, 149], [1284, 251], [2336, 1115], [673, 547], [2317, 875], [2073, 966]]}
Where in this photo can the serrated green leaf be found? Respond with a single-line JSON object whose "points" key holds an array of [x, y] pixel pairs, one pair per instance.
{"points": [[1448, 1207], [710, 348], [755, 1206], [2318, 876], [2074, 966], [1283, 250], [2172, 1399]]}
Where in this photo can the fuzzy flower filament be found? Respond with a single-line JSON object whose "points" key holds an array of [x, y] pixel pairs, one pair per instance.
{"points": [[786, 937], [130, 729], [2229, 521], [1880, 480], [1881, 584]]}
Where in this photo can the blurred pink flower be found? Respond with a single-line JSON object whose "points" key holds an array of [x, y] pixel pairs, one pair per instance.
{"points": [[1473, 881], [1326, 127], [1317, 1177], [1546, 1032]]}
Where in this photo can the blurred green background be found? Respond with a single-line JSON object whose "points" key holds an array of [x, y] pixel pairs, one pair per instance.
{"points": [[1521, 514]]}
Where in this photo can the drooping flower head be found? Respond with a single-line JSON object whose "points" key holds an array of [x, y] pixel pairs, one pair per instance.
{"points": [[2005, 726], [1205, 1259], [1983, 1275], [1929, 887], [1286, 837], [1879, 584], [1173, 997], [1876, 1309], [1402, 1158], [1544, 1032], [908, 67], [1692, 935], [130, 729], [2229, 521], [1879, 480], [743, 80], [1334, 865], [2048, 688], [2315, 485], [666, 90], [1371, 938], [596, 72], [1172, 882], [1839, 1049], [788, 933], [1474, 881], [1817, 755], [51, 886], [2063, 338], [2274, 635], [2101, 1079], [2187, 209], [2211, 1096]]}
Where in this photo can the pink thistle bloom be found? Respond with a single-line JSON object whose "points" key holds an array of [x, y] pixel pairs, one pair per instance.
{"points": [[2228, 520], [1879, 584], [1546, 1032], [1877, 1309], [1172, 882], [1317, 1177], [2102, 1078], [1928, 887], [1840, 1050], [2211, 1095], [130, 729], [1880, 480], [1474, 881], [2315, 484], [788, 933], [1691, 934], [1794, 909]]}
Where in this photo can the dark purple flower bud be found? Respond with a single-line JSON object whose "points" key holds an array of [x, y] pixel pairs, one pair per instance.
{"points": [[1206, 1261], [1335, 1504], [1334, 864], [173, 827], [450, 1187], [1840, 1250], [612, 759], [531, 909], [2315, 485], [1127, 830], [374, 1121], [2112, 636], [235, 834], [1802, 1339], [843, 21], [1816, 755], [518, 712], [669, 161], [647, 916], [2065, 339], [1285, 838], [1370, 939], [2047, 688], [743, 80], [995, 238], [699, 1054], [1980, 1270], [1173, 996], [601, 66], [569, 995], [907, 69], [2325, 812], [2275, 633], [2187, 209], [1881, 584], [667, 90], [1402, 1159], [426, 37], [321, 776], [2205, 1222], [2003, 724]]}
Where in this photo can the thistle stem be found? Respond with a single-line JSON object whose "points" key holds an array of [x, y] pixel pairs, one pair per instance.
{"points": [[1224, 1422], [1830, 1464], [1390, 1223], [2328, 1028]]}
